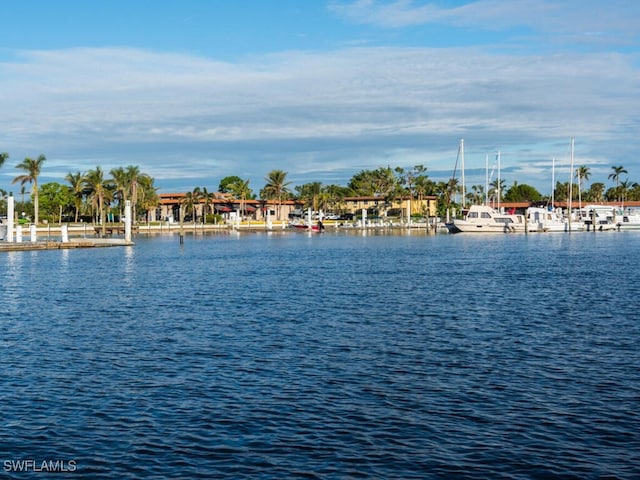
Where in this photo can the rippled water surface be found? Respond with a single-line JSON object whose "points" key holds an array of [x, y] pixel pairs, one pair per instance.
{"points": [[326, 356]]}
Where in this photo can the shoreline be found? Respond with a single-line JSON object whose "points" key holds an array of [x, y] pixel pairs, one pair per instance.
{"points": [[49, 237]]}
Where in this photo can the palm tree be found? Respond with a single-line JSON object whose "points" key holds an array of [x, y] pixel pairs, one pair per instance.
{"points": [[147, 193], [615, 176], [497, 189], [208, 197], [191, 200], [623, 190], [76, 180], [476, 196], [276, 188], [241, 191], [336, 195], [134, 176], [452, 187], [312, 194], [32, 168], [99, 192], [582, 173], [121, 187], [596, 191], [423, 186]]}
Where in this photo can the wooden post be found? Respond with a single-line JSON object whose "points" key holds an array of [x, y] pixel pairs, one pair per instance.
{"points": [[10, 215], [181, 226], [127, 221]]}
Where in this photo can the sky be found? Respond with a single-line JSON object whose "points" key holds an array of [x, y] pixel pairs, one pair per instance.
{"points": [[192, 91]]}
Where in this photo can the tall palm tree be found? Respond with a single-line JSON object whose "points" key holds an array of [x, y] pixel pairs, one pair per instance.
{"points": [[615, 176], [147, 194], [241, 191], [76, 180], [134, 176], [32, 168], [99, 192], [276, 188], [582, 173], [191, 200], [207, 197], [121, 186]]}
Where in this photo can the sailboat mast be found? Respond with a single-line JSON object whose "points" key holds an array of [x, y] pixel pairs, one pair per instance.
{"points": [[570, 185], [462, 169], [486, 179], [553, 182], [499, 192]]}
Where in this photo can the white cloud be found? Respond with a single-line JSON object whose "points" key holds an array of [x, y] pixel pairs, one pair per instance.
{"points": [[316, 115], [568, 18]]}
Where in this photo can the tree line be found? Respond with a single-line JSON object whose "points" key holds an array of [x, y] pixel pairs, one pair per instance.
{"points": [[94, 193], [97, 194]]}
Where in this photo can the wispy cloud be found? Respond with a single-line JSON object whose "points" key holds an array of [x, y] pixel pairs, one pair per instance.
{"points": [[615, 21], [316, 115]]}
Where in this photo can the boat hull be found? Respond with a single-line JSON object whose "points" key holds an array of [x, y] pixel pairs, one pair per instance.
{"points": [[484, 219], [462, 226]]}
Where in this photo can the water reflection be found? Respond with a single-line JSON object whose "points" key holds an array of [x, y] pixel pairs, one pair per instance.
{"points": [[129, 266], [12, 273]]}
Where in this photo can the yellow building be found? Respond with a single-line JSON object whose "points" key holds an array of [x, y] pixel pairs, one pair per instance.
{"points": [[378, 207]]}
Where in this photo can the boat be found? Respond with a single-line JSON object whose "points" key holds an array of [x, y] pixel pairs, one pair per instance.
{"points": [[598, 217], [544, 220], [485, 219], [318, 228], [628, 219]]}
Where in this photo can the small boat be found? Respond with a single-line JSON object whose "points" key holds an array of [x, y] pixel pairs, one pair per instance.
{"points": [[319, 227], [485, 219]]}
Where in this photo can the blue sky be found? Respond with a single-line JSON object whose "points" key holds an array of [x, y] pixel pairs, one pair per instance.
{"points": [[192, 91]]}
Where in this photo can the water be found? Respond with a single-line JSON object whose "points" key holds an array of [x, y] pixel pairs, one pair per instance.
{"points": [[326, 356]]}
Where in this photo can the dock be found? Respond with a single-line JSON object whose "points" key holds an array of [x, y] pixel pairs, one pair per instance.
{"points": [[75, 243], [13, 237], [114, 229]]}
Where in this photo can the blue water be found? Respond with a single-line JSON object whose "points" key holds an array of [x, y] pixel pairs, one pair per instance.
{"points": [[325, 356]]}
